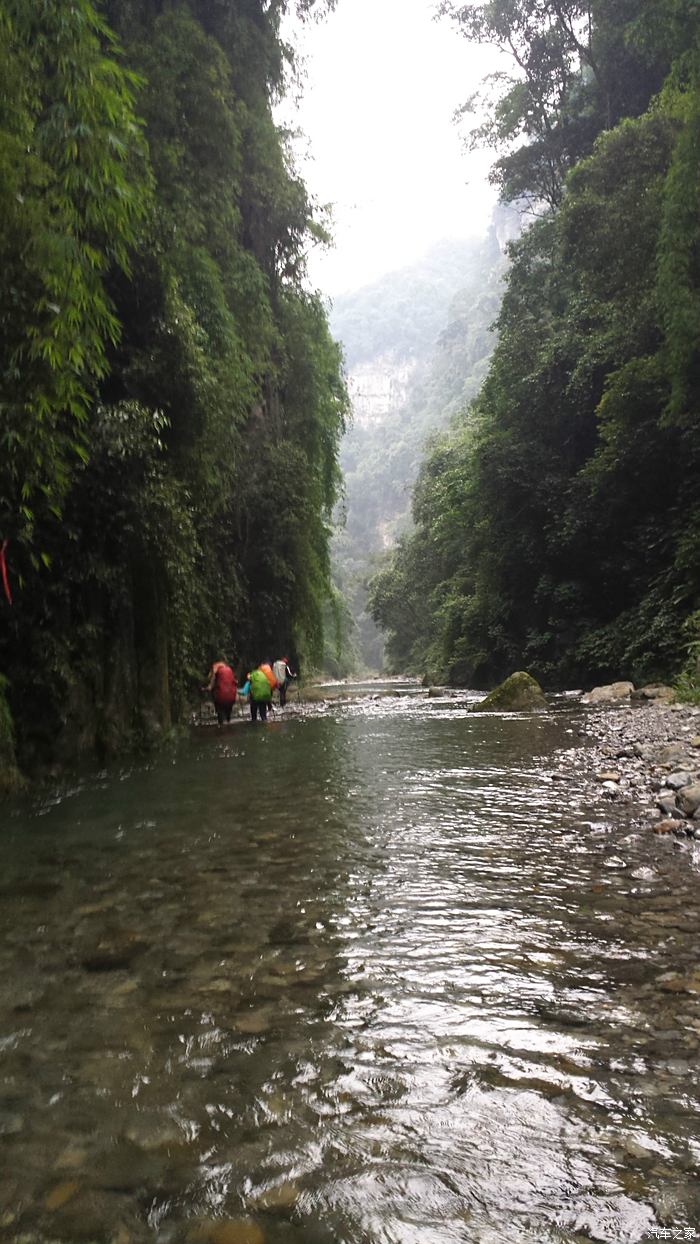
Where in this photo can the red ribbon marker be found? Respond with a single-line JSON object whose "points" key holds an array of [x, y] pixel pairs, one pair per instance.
{"points": [[3, 571]]}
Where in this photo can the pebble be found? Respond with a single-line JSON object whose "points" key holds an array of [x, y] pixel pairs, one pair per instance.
{"points": [[255, 1023], [150, 1132], [233, 1231], [10, 1124], [61, 1194], [666, 827], [278, 1199], [653, 758], [676, 780]]}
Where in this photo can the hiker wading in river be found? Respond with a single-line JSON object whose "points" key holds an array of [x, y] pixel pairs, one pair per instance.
{"points": [[223, 687], [283, 674], [259, 690]]}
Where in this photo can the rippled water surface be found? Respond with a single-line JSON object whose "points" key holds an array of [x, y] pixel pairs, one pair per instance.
{"points": [[365, 975]]}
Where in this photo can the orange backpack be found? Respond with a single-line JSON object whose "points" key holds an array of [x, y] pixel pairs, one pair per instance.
{"points": [[269, 676]]}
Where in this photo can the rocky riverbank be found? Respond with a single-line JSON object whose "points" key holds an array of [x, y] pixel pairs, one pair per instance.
{"points": [[645, 757]]}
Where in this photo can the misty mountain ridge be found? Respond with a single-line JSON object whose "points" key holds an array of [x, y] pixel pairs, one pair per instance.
{"points": [[417, 344]]}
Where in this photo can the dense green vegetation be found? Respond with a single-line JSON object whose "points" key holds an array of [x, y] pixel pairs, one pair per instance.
{"points": [[171, 400], [558, 522]]}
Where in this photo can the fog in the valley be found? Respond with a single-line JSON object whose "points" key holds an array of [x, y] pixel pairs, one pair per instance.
{"points": [[377, 141]]}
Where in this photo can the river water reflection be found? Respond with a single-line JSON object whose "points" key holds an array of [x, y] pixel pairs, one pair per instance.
{"points": [[365, 975]]}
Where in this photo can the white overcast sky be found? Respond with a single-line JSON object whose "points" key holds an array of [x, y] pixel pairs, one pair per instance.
{"points": [[383, 81]]}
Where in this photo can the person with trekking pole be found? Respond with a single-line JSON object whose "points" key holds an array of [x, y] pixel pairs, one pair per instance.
{"points": [[283, 674]]}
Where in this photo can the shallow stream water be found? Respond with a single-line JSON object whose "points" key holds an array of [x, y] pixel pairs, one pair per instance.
{"points": [[364, 975]]}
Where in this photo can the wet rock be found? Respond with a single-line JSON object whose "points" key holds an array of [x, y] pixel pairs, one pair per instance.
{"points": [[150, 1131], [87, 1216], [689, 798], [26, 998], [518, 694], [676, 780], [219, 985], [634, 1149], [126, 1167], [61, 1194], [11, 1124], [667, 804], [287, 933], [72, 1158], [226, 1231], [670, 753], [562, 1016], [675, 982], [610, 692], [121, 992], [92, 909], [279, 1199], [657, 691], [254, 1023], [113, 952], [668, 826]]}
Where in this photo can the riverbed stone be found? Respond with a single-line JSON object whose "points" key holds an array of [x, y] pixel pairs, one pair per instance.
{"points": [[676, 982], [254, 1023], [11, 1123], [689, 798], [658, 691], [667, 804], [226, 1231], [607, 775], [73, 1158], [88, 1216], [61, 1194], [679, 779], [668, 826], [126, 1166], [669, 753], [152, 1131], [113, 951], [520, 693], [608, 693], [278, 1199]]}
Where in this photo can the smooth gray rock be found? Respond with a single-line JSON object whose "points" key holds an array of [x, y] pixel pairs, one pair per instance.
{"points": [[689, 798]]}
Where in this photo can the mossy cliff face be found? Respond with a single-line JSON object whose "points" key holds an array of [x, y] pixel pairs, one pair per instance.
{"points": [[519, 693], [10, 779]]}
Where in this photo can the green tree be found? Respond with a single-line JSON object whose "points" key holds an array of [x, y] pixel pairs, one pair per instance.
{"points": [[74, 191], [196, 517], [558, 521]]}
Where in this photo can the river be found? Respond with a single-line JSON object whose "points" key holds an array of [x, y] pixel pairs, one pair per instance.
{"points": [[364, 975]]}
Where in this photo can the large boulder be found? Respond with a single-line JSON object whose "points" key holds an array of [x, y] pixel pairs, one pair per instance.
{"points": [[689, 798], [658, 692], [520, 693], [608, 694]]}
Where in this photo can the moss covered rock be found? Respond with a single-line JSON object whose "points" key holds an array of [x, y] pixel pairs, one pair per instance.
{"points": [[518, 694]]}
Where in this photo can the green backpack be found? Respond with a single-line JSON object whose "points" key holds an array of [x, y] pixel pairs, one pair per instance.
{"points": [[259, 686]]}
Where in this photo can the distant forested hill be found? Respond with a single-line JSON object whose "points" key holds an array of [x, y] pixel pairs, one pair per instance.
{"points": [[416, 344]]}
